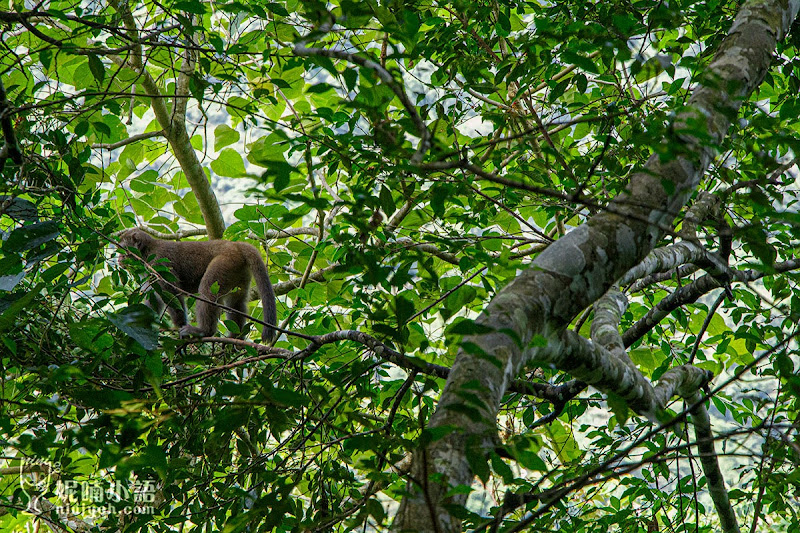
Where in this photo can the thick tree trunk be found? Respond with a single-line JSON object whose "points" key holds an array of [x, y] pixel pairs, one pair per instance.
{"points": [[529, 316]]}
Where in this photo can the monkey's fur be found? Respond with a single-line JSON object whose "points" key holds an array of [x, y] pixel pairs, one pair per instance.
{"points": [[197, 266]]}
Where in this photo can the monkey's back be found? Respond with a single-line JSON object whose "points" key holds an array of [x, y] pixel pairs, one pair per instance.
{"points": [[223, 261]]}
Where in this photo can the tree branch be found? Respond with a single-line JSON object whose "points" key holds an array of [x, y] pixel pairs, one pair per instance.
{"points": [[710, 464], [690, 293], [527, 319], [130, 140]]}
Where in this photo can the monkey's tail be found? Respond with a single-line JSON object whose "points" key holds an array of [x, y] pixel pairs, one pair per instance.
{"points": [[261, 275]]}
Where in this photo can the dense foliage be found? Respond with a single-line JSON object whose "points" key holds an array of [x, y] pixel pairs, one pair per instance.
{"points": [[399, 163]]}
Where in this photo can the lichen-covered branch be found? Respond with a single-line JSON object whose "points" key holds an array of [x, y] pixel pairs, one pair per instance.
{"points": [[665, 259], [706, 205], [527, 319], [690, 293], [608, 311], [287, 233], [688, 251], [608, 372], [710, 464], [681, 272], [182, 85]]}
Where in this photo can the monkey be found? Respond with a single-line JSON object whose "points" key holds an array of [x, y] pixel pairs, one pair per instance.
{"points": [[200, 265]]}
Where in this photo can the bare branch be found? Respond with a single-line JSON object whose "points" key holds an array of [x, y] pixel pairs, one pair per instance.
{"points": [[130, 140], [708, 459]]}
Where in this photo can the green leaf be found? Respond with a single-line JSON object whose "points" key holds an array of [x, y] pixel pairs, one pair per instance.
{"points": [[228, 164], [137, 321], [563, 442], [404, 309], [644, 358], [11, 305], [466, 326], [619, 407], [18, 208], [319, 88], [97, 68], [224, 135], [101, 128], [478, 460], [91, 335], [286, 397], [146, 182], [387, 202], [756, 238], [500, 467], [198, 8], [31, 236], [433, 434], [151, 456]]}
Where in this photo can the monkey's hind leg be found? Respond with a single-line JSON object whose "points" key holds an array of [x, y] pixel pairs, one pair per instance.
{"points": [[177, 311], [206, 311]]}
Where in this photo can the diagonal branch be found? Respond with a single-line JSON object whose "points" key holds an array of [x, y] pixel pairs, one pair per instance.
{"points": [[710, 464], [690, 293], [130, 140]]}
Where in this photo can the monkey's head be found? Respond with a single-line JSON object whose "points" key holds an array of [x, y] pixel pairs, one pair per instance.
{"points": [[135, 240]]}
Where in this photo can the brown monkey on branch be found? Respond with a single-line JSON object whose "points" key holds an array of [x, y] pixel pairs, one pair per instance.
{"points": [[217, 270]]}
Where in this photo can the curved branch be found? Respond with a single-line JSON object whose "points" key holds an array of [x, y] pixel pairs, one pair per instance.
{"points": [[177, 136], [616, 374], [681, 272], [556, 394], [706, 205], [287, 233], [670, 257]]}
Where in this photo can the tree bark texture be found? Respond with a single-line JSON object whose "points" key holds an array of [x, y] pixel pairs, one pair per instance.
{"points": [[711, 469], [173, 123], [528, 318]]}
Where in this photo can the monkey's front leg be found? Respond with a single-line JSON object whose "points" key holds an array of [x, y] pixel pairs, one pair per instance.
{"points": [[217, 281], [175, 304]]}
